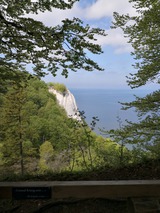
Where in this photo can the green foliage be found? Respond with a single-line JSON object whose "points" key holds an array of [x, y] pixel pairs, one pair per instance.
{"points": [[1, 155], [13, 124], [59, 87], [46, 156], [143, 33], [26, 120], [37, 135], [80, 146], [29, 150], [87, 151], [109, 153], [62, 47]]}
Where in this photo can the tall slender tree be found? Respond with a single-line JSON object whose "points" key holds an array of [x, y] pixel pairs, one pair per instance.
{"points": [[13, 123]]}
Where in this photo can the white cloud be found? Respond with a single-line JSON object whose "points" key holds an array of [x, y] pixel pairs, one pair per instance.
{"points": [[103, 8], [116, 39], [56, 16], [95, 11]]}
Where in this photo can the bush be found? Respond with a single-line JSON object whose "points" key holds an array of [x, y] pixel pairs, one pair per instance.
{"points": [[57, 86], [46, 156]]}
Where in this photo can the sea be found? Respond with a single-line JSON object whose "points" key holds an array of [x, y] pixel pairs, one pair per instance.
{"points": [[105, 105]]}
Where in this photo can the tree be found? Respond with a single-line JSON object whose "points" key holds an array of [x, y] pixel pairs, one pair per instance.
{"points": [[27, 41], [13, 123], [143, 32], [144, 36], [46, 156], [108, 153], [29, 116]]}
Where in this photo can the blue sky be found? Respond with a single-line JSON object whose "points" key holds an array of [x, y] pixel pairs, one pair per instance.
{"points": [[116, 59]]}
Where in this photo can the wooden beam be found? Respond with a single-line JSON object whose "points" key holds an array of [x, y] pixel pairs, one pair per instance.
{"points": [[88, 189]]}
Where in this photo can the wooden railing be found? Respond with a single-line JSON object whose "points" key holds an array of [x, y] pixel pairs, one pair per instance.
{"points": [[80, 189]]}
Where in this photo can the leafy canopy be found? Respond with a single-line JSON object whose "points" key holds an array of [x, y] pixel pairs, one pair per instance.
{"points": [[28, 41], [143, 32]]}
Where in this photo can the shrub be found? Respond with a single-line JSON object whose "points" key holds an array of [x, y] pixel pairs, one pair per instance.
{"points": [[57, 86]]}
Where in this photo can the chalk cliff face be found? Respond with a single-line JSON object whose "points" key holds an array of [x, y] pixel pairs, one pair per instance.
{"points": [[67, 101]]}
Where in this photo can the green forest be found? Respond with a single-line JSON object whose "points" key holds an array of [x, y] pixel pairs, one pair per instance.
{"points": [[36, 136]]}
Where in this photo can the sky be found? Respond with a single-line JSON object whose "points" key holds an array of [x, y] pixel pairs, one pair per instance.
{"points": [[116, 58]]}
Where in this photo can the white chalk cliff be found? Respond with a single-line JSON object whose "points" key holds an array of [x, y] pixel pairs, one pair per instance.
{"points": [[67, 101]]}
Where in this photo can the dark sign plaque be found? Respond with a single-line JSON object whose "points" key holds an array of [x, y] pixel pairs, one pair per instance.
{"points": [[19, 193]]}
